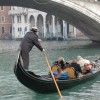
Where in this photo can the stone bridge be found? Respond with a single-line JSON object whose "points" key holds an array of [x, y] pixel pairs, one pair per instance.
{"points": [[84, 15]]}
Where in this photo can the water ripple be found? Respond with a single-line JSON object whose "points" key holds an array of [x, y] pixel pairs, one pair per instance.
{"points": [[12, 89]]}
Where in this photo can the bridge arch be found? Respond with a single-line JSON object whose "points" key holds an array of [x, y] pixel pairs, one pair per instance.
{"points": [[75, 13]]}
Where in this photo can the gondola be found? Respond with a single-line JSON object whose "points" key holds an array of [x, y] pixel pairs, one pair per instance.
{"points": [[44, 84]]}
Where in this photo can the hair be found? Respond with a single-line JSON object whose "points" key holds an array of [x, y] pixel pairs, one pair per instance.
{"points": [[34, 29], [74, 61], [55, 63], [68, 64], [62, 64], [60, 59]]}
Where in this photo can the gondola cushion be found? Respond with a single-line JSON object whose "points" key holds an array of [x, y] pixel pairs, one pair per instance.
{"points": [[64, 75]]}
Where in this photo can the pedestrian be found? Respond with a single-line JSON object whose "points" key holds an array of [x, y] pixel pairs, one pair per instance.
{"points": [[30, 39]]}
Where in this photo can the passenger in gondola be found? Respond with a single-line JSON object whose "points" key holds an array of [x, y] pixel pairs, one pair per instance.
{"points": [[58, 68], [54, 67], [60, 62], [76, 66], [30, 39], [87, 68], [81, 61], [68, 64]]}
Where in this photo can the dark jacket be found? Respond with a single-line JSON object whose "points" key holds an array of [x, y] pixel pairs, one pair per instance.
{"points": [[29, 40], [76, 67]]}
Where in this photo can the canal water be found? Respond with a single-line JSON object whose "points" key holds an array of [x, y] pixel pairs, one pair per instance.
{"points": [[12, 89]]}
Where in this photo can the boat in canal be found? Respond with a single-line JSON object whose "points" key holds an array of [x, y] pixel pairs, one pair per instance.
{"points": [[44, 84]]}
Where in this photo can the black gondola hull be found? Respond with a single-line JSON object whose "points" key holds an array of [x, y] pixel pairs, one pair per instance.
{"points": [[41, 85]]}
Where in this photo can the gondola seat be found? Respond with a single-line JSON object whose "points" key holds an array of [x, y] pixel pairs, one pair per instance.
{"points": [[71, 72]]}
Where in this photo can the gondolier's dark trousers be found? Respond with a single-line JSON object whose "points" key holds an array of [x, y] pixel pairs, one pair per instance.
{"points": [[25, 58]]}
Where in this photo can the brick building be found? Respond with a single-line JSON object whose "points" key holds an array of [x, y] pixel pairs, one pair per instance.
{"points": [[5, 23]]}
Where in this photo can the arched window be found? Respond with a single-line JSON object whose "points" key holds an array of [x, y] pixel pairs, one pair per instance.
{"points": [[1, 7], [3, 29], [25, 18]]}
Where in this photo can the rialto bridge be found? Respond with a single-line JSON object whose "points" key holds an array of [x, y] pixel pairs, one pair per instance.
{"points": [[82, 14]]}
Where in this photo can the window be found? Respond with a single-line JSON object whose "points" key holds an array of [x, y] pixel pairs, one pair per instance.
{"points": [[3, 19], [1, 8], [19, 19], [3, 30], [12, 19], [10, 29], [10, 7], [25, 28], [25, 18], [18, 30]]}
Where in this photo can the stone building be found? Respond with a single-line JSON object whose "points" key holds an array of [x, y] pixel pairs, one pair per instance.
{"points": [[49, 26]]}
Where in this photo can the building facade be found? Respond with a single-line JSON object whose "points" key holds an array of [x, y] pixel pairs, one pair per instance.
{"points": [[49, 26], [5, 22]]}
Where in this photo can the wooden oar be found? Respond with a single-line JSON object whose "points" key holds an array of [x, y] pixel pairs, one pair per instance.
{"points": [[53, 76]]}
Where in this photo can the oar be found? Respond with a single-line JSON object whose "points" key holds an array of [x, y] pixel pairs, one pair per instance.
{"points": [[53, 75]]}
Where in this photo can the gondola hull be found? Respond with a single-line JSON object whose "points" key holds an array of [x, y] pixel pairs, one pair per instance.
{"points": [[42, 84]]}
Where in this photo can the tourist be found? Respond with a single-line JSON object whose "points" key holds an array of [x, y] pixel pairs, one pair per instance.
{"points": [[77, 67], [87, 68], [81, 61], [58, 69]]}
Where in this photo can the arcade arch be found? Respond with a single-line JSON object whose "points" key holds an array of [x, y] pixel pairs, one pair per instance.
{"points": [[32, 21], [49, 32], [40, 25]]}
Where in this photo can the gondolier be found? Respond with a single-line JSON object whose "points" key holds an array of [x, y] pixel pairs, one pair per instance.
{"points": [[30, 39]]}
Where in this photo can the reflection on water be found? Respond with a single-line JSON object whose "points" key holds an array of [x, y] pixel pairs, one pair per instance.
{"points": [[12, 89]]}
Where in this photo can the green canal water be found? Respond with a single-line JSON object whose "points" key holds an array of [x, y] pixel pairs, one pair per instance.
{"points": [[12, 89]]}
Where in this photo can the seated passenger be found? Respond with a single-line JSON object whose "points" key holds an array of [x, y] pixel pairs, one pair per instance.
{"points": [[54, 66], [77, 67], [61, 59], [61, 63], [68, 64], [58, 70], [87, 68], [81, 61]]}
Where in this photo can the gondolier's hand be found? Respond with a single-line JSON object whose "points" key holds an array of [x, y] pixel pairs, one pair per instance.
{"points": [[43, 50], [39, 40]]}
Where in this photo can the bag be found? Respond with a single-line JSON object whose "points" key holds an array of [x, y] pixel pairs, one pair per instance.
{"points": [[64, 76]]}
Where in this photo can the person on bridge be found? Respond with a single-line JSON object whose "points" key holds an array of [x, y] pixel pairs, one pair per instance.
{"points": [[30, 39]]}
